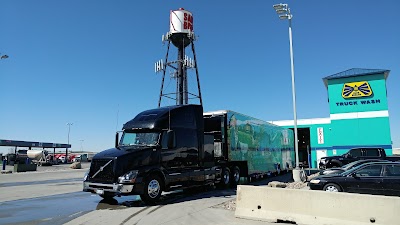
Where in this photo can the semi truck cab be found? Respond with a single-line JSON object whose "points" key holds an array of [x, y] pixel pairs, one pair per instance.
{"points": [[159, 150]]}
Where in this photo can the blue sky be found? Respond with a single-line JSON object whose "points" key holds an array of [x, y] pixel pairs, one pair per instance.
{"points": [[91, 62]]}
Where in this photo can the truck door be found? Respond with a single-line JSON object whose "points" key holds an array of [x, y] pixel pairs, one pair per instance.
{"points": [[172, 162], [191, 158], [353, 155]]}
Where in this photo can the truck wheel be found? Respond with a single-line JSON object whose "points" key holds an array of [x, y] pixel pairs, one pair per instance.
{"points": [[278, 169], [225, 177], [152, 189], [332, 188], [235, 176]]}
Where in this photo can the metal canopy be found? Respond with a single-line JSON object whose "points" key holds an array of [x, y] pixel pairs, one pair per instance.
{"points": [[32, 144]]}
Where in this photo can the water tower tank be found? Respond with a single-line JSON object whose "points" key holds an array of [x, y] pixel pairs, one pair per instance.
{"points": [[181, 21], [180, 24]]}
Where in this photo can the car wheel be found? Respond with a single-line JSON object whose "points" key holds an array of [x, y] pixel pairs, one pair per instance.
{"points": [[235, 176], [152, 189], [332, 188]]}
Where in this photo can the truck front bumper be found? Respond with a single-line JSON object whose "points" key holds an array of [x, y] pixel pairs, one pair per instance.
{"points": [[118, 189]]}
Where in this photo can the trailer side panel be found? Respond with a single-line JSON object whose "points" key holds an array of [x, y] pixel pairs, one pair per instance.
{"points": [[265, 147]]}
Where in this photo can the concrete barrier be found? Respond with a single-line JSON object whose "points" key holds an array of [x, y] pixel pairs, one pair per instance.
{"points": [[315, 207]]}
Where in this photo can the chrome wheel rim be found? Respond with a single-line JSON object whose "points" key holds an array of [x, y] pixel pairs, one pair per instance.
{"points": [[153, 189], [226, 177], [332, 189], [236, 176]]}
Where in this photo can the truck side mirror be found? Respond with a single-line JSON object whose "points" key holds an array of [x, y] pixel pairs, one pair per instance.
{"points": [[116, 140], [171, 139]]}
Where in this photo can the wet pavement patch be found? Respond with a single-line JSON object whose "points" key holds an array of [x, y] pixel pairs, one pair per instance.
{"points": [[12, 184], [55, 209]]}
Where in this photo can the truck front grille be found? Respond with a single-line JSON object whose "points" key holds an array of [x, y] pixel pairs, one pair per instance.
{"points": [[102, 170]]}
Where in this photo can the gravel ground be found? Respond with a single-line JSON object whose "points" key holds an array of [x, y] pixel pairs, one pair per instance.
{"points": [[231, 204]]}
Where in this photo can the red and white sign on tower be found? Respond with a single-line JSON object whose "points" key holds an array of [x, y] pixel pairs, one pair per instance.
{"points": [[181, 21]]}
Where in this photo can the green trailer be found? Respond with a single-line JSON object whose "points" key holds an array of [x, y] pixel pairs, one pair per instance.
{"points": [[252, 146]]}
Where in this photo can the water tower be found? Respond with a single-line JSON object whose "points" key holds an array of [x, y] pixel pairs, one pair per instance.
{"points": [[181, 35]]}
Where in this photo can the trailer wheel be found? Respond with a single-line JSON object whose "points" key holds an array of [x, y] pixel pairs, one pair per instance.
{"points": [[278, 169], [235, 176], [225, 178], [152, 189]]}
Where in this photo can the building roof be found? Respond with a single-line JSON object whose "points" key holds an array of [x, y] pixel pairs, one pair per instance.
{"points": [[355, 72], [32, 144]]}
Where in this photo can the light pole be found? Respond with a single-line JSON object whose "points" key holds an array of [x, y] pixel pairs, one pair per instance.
{"points": [[284, 13], [66, 150]]}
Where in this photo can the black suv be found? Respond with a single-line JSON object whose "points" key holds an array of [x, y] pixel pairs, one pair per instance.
{"points": [[355, 154]]}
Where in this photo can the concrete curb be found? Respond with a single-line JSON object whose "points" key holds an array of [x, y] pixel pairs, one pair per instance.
{"points": [[315, 207]]}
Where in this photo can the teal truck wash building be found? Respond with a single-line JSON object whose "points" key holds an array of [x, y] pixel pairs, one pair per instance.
{"points": [[359, 117]]}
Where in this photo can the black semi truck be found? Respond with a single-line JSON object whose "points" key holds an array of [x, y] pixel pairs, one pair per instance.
{"points": [[177, 147]]}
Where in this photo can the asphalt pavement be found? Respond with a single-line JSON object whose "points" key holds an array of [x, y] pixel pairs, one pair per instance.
{"points": [[53, 195]]}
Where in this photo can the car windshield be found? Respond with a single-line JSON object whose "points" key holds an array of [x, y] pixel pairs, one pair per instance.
{"points": [[141, 139], [351, 170]]}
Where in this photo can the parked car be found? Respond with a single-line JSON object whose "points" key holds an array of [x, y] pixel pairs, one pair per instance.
{"points": [[349, 166], [355, 154], [381, 178], [61, 159], [80, 158]]}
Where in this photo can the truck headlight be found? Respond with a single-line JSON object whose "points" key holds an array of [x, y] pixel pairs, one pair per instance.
{"points": [[315, 181], [129, 177]]}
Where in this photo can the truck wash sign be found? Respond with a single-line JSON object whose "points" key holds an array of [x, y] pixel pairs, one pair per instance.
{"points": [[355, 90]]}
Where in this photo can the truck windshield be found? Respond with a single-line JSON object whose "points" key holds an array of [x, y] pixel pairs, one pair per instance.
{"points": [[129, 139]]}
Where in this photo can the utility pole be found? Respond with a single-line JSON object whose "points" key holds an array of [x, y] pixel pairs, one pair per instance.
{"points": [[66, 150]]}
